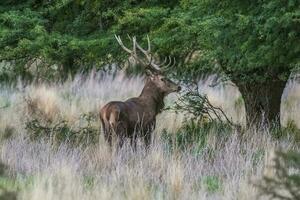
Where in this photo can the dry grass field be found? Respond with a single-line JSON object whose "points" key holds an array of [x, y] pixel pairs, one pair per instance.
{"points": [[225, 168]]}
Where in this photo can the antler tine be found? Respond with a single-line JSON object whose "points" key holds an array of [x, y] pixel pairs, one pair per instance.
{"points": [[118, 38], [149, 44], [164, 62], [174, 63], [134, 44], [129, 37], [170, 64], [134, 54], [146, 52], [148, 55], [150, 61], [150, 64]]}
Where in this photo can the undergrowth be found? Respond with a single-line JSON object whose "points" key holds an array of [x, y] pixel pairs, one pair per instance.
{"points": [[193, 135], [61, 131]]}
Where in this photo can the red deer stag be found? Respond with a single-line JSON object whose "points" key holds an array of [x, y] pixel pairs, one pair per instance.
{"points": [[136, 117]]}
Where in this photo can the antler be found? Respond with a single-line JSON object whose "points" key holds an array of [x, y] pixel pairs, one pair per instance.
{"points": [[150, 64]]}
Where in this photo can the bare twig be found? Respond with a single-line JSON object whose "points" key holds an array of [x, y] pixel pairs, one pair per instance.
{"points": [[198, 105]]}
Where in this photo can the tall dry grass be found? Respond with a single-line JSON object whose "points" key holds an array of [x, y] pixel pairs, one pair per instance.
{"points": [[290, 104], [94, 172]]}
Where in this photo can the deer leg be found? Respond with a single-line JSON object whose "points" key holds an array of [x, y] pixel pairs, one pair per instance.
{"points": [[108, 137], [120, 142], [133, 141], [121, 132], [106, 132], [147, 140], [147, 135]]}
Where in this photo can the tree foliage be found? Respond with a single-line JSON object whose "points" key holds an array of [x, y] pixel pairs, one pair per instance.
{"points": [[253, 40], [74, 35]]}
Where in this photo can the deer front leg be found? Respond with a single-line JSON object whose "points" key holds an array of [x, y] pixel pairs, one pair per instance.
{"points": [[106, 132], [121, 133], [148, 133], [108, 137], [133, 141]]}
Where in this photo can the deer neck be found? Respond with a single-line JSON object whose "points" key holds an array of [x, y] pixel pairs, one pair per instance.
{"points": [[153, 97]]}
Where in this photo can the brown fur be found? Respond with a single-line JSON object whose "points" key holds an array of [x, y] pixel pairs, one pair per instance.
{"points": [[136, 117]]}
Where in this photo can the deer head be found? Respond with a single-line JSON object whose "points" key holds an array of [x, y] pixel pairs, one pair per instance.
{"points": [[154, 70]]}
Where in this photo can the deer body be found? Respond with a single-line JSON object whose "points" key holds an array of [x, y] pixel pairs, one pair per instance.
{"points": [[136, 117]]}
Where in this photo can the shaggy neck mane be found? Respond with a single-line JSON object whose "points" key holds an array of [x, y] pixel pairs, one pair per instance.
{"points": [[153, 96]]}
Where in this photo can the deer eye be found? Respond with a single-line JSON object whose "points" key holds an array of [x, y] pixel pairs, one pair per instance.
{"points": [[163, 79]]}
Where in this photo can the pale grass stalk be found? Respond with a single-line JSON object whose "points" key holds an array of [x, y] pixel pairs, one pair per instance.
{"points": [[95, 172]]}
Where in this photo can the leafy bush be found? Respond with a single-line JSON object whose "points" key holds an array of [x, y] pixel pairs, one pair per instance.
{"points": [[194, 134], [290, 130], [212, 183], [61, 131], [7, 132], [8, 189], [42, 125], [203, 120], [197, 106]]}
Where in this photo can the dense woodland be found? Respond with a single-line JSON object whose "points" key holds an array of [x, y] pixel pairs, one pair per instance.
{"points": [[253, 43]]}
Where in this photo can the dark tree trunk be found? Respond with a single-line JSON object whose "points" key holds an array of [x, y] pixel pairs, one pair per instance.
{"points": [[262, 101], [68, 68]]}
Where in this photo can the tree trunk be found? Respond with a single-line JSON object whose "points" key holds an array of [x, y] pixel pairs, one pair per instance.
{"points": [[68, 68], [262, 101]]}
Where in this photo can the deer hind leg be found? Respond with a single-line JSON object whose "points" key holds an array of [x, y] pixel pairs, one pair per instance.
{"points": [[118, 129], [106, 131], [133, 140], [108, 136], [121, 133]]}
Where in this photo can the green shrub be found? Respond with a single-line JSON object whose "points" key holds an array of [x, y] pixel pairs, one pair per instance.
{"points": [[204, 120], [212, 184], [8, 186], [193, 135], [285, 183], [7, 132], [290, 130], [257, 156], [61, 131], [198, 107], [88, 181]]}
